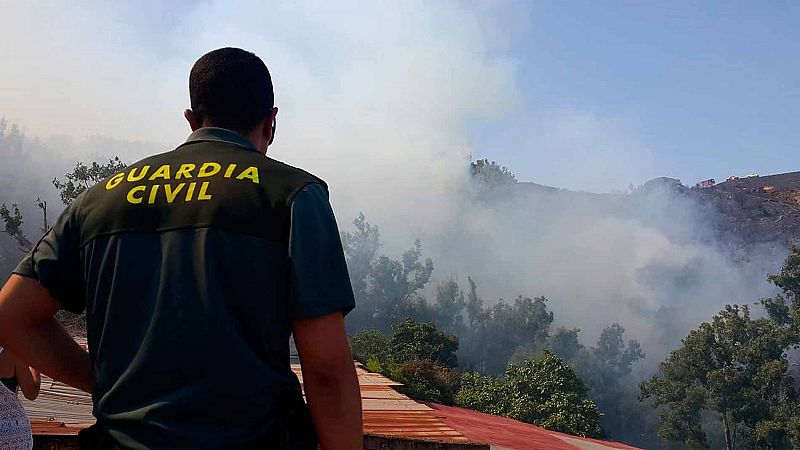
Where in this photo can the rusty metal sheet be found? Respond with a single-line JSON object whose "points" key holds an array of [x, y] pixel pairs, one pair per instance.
{"points": [[61, 410]]}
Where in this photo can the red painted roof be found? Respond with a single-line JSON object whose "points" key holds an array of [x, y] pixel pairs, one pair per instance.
{"points": [[513, 434], [389, 413], [63, 411]]}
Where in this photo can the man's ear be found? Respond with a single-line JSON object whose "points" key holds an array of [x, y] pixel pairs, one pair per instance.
{"points": [[267, 130], [194, 123]]}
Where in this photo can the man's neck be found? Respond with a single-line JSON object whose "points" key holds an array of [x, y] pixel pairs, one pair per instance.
{"points": [[254, 137]]}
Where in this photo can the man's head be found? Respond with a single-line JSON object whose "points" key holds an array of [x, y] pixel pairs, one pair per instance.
{"points": [[231, 88]]}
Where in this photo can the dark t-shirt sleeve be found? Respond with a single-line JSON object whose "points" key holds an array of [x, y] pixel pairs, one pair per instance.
{"points": [[319, 282], [55, 262]]}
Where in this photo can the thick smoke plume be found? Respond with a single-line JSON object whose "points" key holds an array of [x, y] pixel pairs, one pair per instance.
{"points": [[648, 260], [377, 98]]}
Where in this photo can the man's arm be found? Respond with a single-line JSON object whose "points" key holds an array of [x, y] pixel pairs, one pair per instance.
{"points": [[329, 381], [29, 329], [320, 297]]}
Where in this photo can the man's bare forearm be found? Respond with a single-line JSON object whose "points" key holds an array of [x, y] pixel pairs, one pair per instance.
{"points": [[48, 347], [330, 381], [335, 404], [29, 330]]}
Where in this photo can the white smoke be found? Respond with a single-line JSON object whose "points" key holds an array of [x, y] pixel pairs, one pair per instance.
{"points": [[376, 98], [646, 260]]}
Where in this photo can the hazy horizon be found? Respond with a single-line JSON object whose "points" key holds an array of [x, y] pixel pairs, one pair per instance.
{"points": [[388, 102]]}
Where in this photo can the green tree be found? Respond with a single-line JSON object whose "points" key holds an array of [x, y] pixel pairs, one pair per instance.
{"points": [[412, 340], [612, 351], [12, 220], [476, 315], [605, 367], [491, 174], [425, 380], [784, 309], [450, 304], [736, 368], [417, 355], [361, 248], [543, 391], [395, 283], [82, 177], [524, 323], [789, 277], [386, 289], [472, 348], [564, 342], [369, 345]]}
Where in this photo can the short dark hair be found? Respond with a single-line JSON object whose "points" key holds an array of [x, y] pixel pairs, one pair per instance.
{"points": [[231, 88]]}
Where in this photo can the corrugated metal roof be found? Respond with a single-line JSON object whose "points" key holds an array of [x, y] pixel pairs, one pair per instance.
{"points": [[513, 434], [387, 412], [63, 411]]}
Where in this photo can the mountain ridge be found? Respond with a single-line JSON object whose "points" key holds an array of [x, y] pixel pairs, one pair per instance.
{"points": [[745, 214]]}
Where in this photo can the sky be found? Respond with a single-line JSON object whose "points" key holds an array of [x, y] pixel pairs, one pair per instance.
{"points": [[582, 95], [692, 90]]}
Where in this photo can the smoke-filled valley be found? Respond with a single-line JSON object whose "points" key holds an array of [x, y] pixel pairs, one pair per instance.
{"points": [[390, 104], [658, 259], [514, 268]]}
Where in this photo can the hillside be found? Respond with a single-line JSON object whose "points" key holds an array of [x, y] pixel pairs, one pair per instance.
{"points": [[757, 210], [745, 215]]}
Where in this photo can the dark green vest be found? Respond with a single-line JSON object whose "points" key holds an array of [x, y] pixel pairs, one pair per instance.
{"points": [[185, 279]]}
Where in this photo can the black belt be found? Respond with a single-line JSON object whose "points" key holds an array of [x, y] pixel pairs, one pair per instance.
{"points": [[97, 438]]}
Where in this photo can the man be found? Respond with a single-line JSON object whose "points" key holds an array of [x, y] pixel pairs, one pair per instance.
{"points": [[194, 266]]}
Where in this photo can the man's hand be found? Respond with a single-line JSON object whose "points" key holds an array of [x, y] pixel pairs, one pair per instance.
{"points": [[329, 381], [29, 330], [28, 378]]}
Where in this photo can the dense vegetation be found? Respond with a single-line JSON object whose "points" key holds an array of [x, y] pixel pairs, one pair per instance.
{"points": [[735, 370], [544, 391], [454, 349], [728, 386]]}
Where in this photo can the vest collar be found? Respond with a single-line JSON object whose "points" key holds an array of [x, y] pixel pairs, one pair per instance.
{"points": [[214, 134]]}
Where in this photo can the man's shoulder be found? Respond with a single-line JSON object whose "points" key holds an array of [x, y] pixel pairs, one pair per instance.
{"points": [[281, 166], [297, 176]]}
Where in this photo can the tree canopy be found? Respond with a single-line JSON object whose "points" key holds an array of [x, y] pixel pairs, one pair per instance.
{"points": [[544, 391], [12, 221], [386, 289], [412, 340], [416, 354], [490, 174], [84, 176], [735, 367]]}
